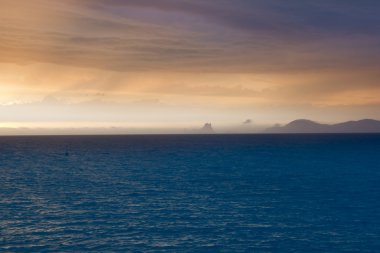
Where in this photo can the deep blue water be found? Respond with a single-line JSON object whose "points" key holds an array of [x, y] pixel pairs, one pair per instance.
{"points": [[190, 193]]}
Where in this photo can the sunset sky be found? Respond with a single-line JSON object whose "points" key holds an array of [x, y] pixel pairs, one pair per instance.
{"points": [[180, 63]]}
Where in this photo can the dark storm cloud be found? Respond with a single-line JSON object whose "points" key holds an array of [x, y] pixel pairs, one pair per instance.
{"points": [[297, 16]]}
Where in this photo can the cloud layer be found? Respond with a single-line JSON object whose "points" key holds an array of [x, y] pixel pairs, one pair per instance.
{"points": [[148, 35], [191, 53]]}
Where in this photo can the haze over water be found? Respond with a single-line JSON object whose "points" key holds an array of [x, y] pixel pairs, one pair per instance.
{"points": [[190, 193]]}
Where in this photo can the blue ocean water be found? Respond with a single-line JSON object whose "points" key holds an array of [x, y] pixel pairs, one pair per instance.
{"points": [[190, 193]]}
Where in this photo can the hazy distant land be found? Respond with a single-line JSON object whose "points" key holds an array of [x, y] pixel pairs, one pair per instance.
{"points": [[308, 126], [296, 126]]}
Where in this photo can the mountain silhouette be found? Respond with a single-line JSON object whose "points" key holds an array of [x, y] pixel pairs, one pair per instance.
{"points": [[308, 126]]}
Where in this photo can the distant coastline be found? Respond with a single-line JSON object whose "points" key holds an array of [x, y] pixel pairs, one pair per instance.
{"points": [[293, 127], [308, 126]]}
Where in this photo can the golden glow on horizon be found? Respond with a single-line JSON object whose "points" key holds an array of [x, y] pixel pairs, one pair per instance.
{"points": [[89, 124]]}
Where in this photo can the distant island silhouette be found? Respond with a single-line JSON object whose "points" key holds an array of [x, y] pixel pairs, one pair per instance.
{"points": [[207, 128], [308, 126]]}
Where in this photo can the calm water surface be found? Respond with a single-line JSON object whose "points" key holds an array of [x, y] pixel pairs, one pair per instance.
{"points": [[190, 193]]}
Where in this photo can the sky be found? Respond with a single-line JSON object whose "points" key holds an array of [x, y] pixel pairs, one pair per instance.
{"points": [[177, 64]]}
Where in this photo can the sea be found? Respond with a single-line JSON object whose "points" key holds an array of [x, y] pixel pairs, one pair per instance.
{"points": [[190, 193]]}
